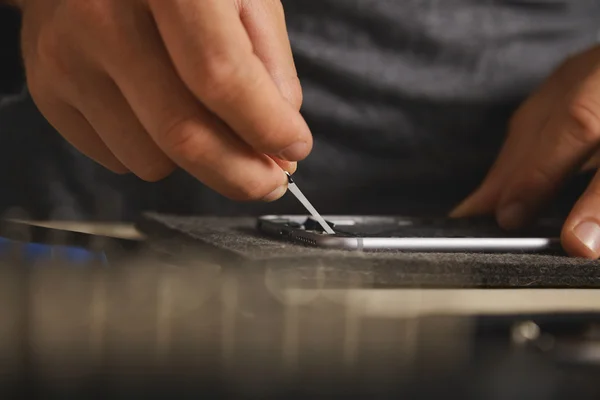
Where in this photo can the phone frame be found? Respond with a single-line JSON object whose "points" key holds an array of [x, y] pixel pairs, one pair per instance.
{"points": [[279, 226]]}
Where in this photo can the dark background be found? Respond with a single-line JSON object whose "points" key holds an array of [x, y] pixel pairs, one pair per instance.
{"points": [[11, 76]]}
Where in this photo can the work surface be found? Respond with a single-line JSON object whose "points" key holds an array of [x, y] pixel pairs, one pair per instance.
{"points": [[390, 284], [238, 239]]}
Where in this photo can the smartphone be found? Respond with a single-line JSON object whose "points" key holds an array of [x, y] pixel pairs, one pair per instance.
{"points": [[374, 233]]}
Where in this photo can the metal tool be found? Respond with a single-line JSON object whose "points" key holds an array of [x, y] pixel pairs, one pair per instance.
{"points": [[292, 187]]}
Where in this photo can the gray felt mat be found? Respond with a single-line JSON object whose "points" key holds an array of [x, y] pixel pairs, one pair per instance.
{"points": [[237, 242]]}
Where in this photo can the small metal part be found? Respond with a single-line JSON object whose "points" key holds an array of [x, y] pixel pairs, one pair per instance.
{"points": [[309, 207]]}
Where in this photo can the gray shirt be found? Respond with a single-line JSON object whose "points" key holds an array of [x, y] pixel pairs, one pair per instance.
{"points": [[408, 101]]}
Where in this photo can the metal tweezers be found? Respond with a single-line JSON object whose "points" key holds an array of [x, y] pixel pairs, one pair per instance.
{"points": [[292, 187]]}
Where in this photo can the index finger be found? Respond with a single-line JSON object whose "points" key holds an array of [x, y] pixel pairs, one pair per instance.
{"points": [[214, 56], [568, 139]]}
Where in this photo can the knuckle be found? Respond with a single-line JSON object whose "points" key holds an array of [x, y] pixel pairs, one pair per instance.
{"points": [[95, 22], [94, 12], [585, 114], [50, 54], [177, 136], [538, 183], [223, 77], [57, 45], [182, 138]]}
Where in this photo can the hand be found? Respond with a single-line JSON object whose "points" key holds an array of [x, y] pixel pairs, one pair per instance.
{"points": [[144, 85], [554, 134]]}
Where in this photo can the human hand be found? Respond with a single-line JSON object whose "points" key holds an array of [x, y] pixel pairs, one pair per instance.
{"points": [[144, 85], [553, 135]]}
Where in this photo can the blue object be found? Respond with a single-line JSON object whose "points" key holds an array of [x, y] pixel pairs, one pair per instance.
{"points": [[32, 253]]}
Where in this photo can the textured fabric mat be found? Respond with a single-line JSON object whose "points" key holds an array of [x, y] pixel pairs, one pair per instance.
{"points": [[239, 242]]}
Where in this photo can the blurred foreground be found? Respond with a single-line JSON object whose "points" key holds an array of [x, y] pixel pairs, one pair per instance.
{"points": [[162, 325]]}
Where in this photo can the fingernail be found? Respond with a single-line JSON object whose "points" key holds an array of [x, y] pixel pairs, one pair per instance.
{"points": [[588, 233], [292, 168], [275, 194], [512, 216], [295, 152]]}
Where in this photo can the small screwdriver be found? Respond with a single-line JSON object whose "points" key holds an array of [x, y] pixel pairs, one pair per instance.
{"points": [[309, 207]]}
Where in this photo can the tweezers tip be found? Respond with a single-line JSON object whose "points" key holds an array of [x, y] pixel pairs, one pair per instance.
{"points": [[290, 180]]}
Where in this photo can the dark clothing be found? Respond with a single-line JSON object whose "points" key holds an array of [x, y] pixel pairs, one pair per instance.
{"points": [[408, 102], [11, 75]]}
